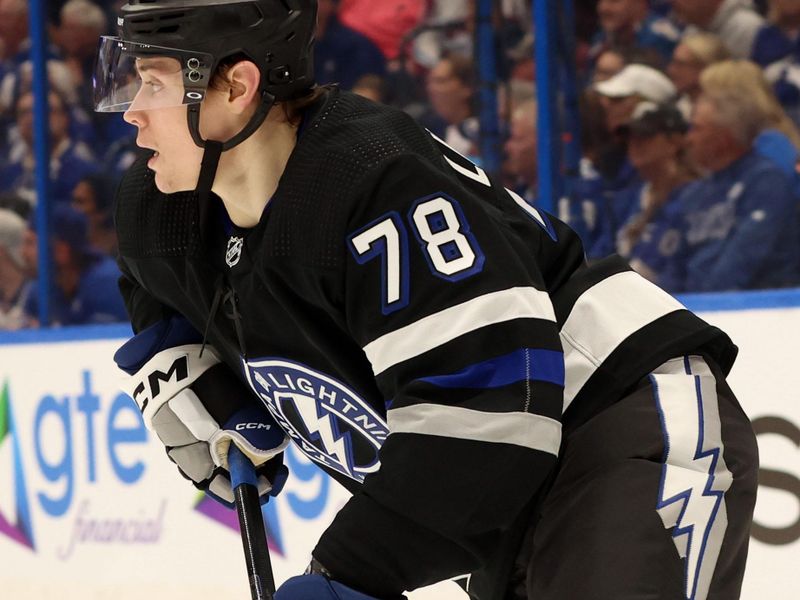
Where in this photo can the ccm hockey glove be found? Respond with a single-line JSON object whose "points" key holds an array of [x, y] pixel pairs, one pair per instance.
{"points": [[197, 408]]}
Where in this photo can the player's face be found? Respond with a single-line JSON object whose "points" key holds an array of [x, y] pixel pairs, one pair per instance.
{"points": [[160, 115], [176, 159]]}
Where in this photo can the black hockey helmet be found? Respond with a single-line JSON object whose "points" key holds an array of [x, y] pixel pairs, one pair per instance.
{"points": [[186, 40], [277, 35], [195, 36]]}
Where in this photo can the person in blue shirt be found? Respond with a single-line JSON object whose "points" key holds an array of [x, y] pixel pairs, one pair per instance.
{"points": [[645, 210], [631, 23], [739, 223], [70, 161], [780, 37], [85, 289], [620, 96], [341, 54]]}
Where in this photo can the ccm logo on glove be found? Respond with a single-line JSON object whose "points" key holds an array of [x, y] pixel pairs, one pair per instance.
{"points": [[243, 426], [179, 369]]}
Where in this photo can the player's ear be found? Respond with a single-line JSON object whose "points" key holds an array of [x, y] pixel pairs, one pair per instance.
{"points": [[243, 79]]}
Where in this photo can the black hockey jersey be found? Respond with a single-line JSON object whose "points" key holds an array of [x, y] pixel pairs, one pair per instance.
{"points": [[417, 329]]}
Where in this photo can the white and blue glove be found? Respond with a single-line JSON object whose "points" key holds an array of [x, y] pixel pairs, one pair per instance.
{"points": [[317, 587], [197, 408]]}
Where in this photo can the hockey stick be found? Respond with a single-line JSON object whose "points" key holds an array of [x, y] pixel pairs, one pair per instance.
{"points": [[251, 524]]}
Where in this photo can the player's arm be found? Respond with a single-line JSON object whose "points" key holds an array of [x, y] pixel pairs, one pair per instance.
{"points": [[453, 314], [192, 401]]}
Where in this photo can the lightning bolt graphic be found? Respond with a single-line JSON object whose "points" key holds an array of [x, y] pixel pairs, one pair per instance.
{"points": [[336, 448], [694, 477]]}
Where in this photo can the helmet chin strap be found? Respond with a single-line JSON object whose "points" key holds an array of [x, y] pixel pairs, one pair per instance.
{"points": [[213, 150]]}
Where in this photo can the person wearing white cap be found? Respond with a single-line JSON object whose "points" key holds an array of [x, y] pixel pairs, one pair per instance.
{"points": [[635, 83], [13, 288]]}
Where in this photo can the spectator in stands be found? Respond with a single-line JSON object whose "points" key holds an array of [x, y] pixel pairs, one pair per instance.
{"points": [[451, 86], [779, 38], [734, 21], [521, 163], [694, 53], [372, 87], [94, 197], [385, 23], [70, 161], [15, 203], [779, 139], [513, 95], [60, 79], [82, 24], [603, 169], [777, 49], [609, 62], [13, 32], [622, 93], [740, 221], [646, 210], [85, 289], [629, 23], [14, 286], [13, 29], [619, 97], [447, 30], [341, 54]]}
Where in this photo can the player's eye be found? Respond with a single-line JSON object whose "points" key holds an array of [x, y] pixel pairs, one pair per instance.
{"points": [[154, 85]]}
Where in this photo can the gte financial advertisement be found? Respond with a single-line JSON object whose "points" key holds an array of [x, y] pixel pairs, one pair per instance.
{"points": [[91, 507]]}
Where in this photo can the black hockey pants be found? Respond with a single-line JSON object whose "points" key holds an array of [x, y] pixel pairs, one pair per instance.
{"points": [[653, 498]]}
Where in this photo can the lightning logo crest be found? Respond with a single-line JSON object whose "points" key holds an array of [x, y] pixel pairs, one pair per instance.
{"points": [[694, 477]]}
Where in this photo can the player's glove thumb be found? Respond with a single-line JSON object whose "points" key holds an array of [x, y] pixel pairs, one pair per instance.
{"points": [[254, 432]]}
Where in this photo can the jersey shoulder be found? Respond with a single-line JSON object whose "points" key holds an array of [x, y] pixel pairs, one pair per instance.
{"points": [[346, 145]]}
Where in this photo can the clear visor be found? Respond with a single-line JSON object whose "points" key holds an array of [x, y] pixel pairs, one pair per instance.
{"points": [[130, 76]]}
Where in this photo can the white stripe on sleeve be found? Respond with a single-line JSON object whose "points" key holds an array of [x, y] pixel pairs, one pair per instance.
{"points": [[439, 328], [518, 428], [602, 318]]}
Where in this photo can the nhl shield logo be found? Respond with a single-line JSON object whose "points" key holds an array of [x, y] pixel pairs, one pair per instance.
{"points": [[327, 420], [234, 251]]}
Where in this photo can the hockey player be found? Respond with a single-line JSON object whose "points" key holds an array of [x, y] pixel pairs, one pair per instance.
{"points": [[302, 264]]}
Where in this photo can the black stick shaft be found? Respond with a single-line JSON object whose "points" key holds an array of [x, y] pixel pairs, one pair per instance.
{"points": [[251, 525]]}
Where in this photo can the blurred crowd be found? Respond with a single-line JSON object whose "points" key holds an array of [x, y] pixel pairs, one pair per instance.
{"points": [[689, 139]]}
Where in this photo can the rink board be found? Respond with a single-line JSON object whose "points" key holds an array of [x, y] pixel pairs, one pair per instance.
{"points": [[91, 509]]}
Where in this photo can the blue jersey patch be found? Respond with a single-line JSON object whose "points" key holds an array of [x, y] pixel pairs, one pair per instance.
{"points": [[330, 423]]}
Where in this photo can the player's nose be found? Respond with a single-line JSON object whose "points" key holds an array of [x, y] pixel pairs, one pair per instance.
{"points": [[134, 117]]}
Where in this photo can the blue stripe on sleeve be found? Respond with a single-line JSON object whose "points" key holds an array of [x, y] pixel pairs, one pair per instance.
{"points": [[525, 363]]}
